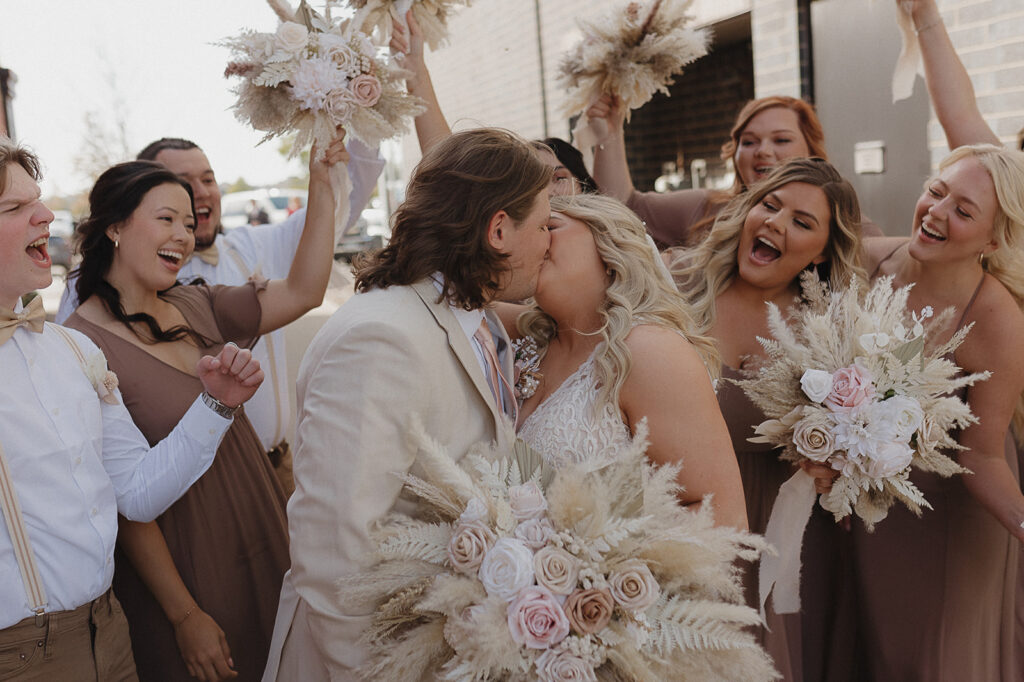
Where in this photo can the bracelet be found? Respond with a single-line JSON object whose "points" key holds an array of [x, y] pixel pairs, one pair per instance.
{"points": [[185, 617], [219, 407], [931, 24]]}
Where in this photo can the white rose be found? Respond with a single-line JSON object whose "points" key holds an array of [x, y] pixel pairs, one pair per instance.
{"points": [[556, 569], [475, 510], [507, 568], [897, 418], [633, 586], [527, 501], [812, 436], [339, 105], [534, 533], [337, 50], [291, 37], [556, 665], [887, 459], [817, 384]]}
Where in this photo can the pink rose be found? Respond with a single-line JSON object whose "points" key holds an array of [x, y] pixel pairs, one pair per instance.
{"points": [[633, 586], [339, 105], [589, 611], [561, 666], [536, 620], [527, 501], [365, 89], [851, 387]]}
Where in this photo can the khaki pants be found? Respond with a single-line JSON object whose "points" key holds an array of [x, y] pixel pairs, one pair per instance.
{"points": [[88, 644]]}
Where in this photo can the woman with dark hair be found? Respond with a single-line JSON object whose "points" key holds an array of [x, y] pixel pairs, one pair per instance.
{"points": [[204, 577], [803, 216], [568, 166]]}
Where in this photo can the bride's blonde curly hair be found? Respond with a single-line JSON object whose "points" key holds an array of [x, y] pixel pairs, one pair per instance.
{"points": [[705, 271], [640, 292]]}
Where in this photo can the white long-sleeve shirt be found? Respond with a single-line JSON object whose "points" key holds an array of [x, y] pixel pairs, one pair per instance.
{"points": [[76, 462], [269, 249]]}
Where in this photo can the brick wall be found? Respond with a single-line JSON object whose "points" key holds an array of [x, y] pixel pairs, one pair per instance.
{"points": [[989, 37], [695, 120], [775, 39]]}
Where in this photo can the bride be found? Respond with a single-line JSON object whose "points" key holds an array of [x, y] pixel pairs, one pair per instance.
{"points": [[615, 348]]}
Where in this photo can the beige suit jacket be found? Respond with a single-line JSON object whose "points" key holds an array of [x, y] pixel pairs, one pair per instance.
{"points": [[383, 357]]}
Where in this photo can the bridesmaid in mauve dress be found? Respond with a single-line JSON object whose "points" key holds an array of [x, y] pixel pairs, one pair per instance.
{"points": [[201, 584], [804, 215], [234, 575]]}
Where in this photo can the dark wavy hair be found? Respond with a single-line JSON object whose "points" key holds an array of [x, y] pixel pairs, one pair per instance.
{"points": [[112, 200], [455, 190], [572, 159]]}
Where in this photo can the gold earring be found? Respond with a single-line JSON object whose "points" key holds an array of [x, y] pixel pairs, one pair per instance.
{"points": [[116, 243]]}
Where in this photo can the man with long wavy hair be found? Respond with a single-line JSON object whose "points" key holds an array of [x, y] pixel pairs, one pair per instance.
{"points": [[417, 342]]}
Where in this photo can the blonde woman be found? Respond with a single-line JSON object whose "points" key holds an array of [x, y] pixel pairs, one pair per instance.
{"points": [[617, 347], [803, 216], [955, 568]]}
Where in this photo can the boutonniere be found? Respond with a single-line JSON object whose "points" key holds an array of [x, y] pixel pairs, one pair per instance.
{"points": [[102, 379], [526, 364]]}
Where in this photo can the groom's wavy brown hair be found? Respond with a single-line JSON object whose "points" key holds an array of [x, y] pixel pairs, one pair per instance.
{"points": [[460, 184]]}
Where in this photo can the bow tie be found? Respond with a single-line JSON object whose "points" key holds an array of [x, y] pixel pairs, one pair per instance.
{"points": [[33, 316], [208, 255]]}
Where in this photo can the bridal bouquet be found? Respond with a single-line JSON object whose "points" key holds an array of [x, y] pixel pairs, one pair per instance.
{"points": [[852, 384], [631, 53], [314, 74], [431, 16], [523, 572]]}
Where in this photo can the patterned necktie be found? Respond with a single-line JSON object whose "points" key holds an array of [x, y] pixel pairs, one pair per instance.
{"points": [[33, 317], [495, 378]]}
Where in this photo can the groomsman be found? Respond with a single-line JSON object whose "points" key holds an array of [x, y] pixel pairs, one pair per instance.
{"points": [[231, 257], [416, 342], [71, 460]]}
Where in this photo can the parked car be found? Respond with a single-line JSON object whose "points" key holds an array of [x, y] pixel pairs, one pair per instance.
{"points": [[370, 231], [58, 245], [236, 206]]}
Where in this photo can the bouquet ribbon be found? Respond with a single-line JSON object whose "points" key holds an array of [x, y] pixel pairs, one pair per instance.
{"points": [[908, 64], [781, 571], [342, 185]]}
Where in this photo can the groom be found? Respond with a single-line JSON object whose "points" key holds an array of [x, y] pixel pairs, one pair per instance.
{"points": [[417, 340]]}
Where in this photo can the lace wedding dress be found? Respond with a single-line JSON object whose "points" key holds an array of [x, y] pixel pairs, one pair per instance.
{"points": [[566, 429]]}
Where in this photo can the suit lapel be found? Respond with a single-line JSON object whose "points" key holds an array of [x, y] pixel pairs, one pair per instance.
{"points": [[459, 344]]}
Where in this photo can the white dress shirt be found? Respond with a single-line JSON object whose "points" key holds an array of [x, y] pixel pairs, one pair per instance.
{"points": [[268, 249], [76, 462]]}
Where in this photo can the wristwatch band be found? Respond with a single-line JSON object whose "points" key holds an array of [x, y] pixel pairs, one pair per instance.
{"points": [[219, 407]]}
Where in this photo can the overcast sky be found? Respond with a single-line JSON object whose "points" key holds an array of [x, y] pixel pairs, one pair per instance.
{"points": [[157, 56]]}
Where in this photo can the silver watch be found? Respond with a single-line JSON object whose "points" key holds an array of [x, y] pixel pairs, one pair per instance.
{"points": [[219, 407]]}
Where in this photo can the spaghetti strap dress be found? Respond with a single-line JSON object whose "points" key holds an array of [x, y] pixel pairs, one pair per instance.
{"points": [[936, 594], [227, 535], [815, 645]]}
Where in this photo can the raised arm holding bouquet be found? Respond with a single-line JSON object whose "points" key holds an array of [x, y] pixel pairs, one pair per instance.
{"points": [[316, 73], [632, 53], [431, 16], [854, 385]]}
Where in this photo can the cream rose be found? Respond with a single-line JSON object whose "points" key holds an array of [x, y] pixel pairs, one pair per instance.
{"points": [[556, 569], [817, 384], [339, 105], [589, 611], [507, 568], [534, 533], [633, 586], [560, 666], [527, 501], [812, 436], [536, 620], [469, 545], [851, 387], [291, 37], [365, 89], [341, 55]]}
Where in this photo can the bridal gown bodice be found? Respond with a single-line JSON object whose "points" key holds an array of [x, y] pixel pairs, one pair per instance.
{"points": [[565, 428]]}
